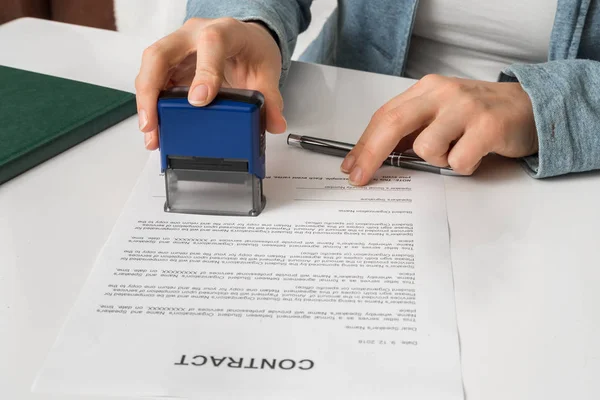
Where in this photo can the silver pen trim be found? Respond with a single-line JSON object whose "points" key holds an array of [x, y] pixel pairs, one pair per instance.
{"points": [[294, 140]]}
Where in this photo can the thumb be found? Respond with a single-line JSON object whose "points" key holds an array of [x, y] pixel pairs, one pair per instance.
{"points": [[215, 43]]}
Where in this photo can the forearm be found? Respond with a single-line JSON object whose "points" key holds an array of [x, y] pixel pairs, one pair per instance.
{"points": [[286, 19]]}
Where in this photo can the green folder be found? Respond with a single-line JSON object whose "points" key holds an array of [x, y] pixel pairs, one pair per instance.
{"points": [[42, 116]]}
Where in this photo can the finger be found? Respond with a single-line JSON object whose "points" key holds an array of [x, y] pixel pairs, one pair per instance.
{"points": [[411, 93], [421, 87], [276, 123], [434, 142], [157, 60], [215, 44], [467, 153], [390, 129], [151, 140]]}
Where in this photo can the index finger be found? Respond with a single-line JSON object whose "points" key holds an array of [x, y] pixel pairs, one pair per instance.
{"points": [[415, 90], [384, 133]]}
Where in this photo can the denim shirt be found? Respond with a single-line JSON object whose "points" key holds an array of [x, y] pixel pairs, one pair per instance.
{"points": [[375, 36]]}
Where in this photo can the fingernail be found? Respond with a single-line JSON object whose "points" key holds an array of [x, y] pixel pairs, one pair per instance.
{"points": [[348, 163], [199, 95], [285, 122], [147, 139], [356, 176], [143, 116]]}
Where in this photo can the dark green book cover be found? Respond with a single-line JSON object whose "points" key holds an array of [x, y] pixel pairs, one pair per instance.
{"points": [[42, 116]]}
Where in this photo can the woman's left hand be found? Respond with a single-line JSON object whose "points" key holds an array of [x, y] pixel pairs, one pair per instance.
{"points": [[453, 122]]}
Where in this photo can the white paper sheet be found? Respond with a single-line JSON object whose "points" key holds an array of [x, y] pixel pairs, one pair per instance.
{"points": [[333, 292]]}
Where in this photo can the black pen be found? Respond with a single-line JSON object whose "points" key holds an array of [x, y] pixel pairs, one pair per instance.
{"points": [[340, 149]]}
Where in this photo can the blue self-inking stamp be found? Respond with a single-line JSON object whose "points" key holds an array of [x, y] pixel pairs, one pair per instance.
{"points": [[213, 157]]}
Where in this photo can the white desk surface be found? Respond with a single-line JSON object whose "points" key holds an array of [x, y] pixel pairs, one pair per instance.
{"points": [[525, 252]]}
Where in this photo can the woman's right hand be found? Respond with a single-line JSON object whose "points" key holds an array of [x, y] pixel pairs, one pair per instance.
{"points": [[206, 54]]}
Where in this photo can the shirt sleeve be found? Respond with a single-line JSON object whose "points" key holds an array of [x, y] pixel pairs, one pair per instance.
{"points": [[565, 96], [286, 19]]}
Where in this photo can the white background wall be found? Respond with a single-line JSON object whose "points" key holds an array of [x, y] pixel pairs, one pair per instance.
{"points": [[154, 19]]}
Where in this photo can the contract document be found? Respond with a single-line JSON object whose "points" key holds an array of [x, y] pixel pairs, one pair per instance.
{"points": [[333, 292]]}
